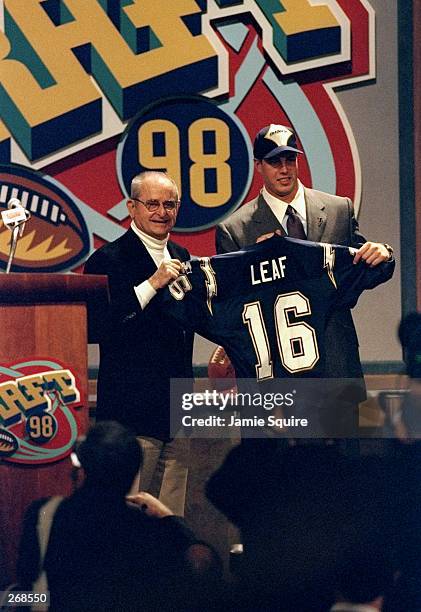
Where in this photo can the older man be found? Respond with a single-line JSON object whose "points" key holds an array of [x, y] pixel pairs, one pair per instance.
{"points": [[142, 349]]}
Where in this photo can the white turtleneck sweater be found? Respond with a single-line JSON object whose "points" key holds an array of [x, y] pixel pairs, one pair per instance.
{"points": [[158, 250]]}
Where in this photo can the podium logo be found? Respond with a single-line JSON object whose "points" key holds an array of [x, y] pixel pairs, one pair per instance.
{"points": [[56, 237], [37, 420]]}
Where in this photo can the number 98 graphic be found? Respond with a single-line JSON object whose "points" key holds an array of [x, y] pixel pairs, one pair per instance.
{"points": [[41, 427], [205, 150]]}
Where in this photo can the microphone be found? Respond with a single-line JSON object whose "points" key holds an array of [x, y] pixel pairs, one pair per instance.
{"points": [[14, 218], [15, 215], [14, 203]]}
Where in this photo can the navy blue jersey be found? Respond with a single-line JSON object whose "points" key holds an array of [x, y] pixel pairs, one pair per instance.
{"points": [[268, 304]]}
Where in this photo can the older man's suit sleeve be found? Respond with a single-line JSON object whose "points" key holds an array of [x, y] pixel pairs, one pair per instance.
{"points": [[127, 263], [123, 304]]}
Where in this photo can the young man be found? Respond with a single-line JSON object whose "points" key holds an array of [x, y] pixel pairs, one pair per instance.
{"points": [[285, 206]]}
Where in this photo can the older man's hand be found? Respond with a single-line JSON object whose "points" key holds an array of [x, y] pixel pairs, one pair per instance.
{"points": [[373, 253], [168, 270]]}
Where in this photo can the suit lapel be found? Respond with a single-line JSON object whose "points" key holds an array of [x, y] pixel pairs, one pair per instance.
{"points": [[139, 262], [316, 216], [264, 218], [176, 251], [264, 221]]}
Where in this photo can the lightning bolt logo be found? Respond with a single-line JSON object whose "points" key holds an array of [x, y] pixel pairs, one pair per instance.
{"points": [[329, 262], [210, 278]]}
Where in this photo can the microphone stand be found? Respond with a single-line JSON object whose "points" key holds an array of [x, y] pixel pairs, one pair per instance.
{"points": [[17, 231], [15, 234]]}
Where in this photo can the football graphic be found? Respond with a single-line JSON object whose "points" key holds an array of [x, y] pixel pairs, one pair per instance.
{"points": [[8, 443], [56, 237]]}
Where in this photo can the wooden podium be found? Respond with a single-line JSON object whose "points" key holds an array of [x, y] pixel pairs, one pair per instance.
{"points": [[43, 319]]}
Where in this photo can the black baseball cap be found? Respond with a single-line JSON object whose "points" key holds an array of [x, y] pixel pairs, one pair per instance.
{"points": [[274, 140]]}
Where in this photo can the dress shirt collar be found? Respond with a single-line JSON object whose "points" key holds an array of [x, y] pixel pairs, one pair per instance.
{"points": [[298, 202], [279, 207]]}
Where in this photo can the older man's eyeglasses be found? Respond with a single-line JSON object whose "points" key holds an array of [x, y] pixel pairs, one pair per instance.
{"points": [[153, 205]]}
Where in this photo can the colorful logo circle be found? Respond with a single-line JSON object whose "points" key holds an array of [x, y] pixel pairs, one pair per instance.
{"points": [[41, 428], [203, 148], [56, 237], [39, 401]]}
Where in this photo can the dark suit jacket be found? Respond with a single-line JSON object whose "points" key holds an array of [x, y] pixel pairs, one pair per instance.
{"points": [[329, 219], [140, 351]]}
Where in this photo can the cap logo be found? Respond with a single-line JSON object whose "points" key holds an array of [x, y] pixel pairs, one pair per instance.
{"points": [[279, 134]]}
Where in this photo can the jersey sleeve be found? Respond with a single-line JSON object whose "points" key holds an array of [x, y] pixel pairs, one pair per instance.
{"points": [[352, 279], [189, 300]]}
